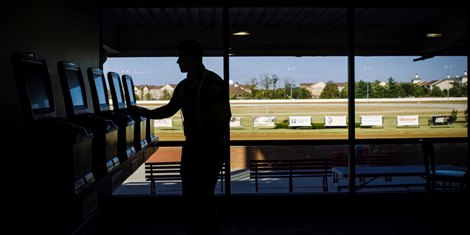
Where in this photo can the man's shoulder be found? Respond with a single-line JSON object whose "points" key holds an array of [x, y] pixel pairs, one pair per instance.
{"points": [[182, 82], [213, 76]]}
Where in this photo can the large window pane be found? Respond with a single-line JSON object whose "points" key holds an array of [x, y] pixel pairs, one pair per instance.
{"points": [[411, 73], [410, 82], [287, 69]]}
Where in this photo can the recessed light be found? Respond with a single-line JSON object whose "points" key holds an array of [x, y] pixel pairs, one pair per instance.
{"points": [[241, 33], [434, 35]]}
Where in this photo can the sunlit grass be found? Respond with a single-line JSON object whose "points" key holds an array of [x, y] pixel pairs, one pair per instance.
{"points": [[389, 111]]}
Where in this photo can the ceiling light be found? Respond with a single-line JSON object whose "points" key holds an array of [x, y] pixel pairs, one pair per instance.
{"points": [[241, 33], [434, 35]]}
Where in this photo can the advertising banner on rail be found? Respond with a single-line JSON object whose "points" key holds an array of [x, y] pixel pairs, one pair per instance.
{"points": [[163, 123], [372, 120], [295, 121], [336, 121], [408, 120], [235, 122], [264, 121]]}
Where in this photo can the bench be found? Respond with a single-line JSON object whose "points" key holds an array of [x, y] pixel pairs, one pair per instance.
{"points": [[165, 171], [290, 169], [380, 159], [374, 172]]}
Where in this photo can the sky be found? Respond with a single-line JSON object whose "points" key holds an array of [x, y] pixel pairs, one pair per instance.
{"points": [[165, 70]]}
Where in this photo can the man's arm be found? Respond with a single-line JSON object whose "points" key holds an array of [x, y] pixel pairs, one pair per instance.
{"points": [[165, 111]]}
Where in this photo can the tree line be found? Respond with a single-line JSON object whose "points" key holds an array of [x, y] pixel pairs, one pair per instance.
{"points": [[266, 87]]}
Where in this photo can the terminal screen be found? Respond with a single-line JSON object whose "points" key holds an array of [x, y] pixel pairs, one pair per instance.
{"points": [[75, 88], [101, 90], [36, 85]]}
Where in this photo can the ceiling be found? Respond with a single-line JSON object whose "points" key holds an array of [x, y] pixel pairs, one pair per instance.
{"points": [[281, 31]]}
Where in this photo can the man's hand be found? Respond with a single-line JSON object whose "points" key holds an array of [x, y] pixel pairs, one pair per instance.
{"points": [[136, 110]]}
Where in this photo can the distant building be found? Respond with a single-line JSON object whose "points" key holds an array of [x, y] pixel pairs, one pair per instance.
{"points": [[315, 89], [238, 91], [138, 93], [152, 92], [443, 84], [448, 82], [418, 81], [341, 85], [464, 78]]}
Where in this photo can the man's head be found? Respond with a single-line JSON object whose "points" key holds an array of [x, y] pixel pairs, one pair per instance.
{"points": [[190, 54]]}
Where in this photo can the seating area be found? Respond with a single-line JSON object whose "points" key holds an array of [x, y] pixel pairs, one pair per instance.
{"points": [[290, 169], [442, 177], [168, 172]]}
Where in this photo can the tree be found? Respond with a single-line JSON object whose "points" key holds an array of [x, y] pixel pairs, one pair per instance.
{"points": [[458, 90], [360, 89], [409, 89], [166, 95], [301, 93], [330, 91], [376, 90], [437, 92], [252, 85], [265, 82], [420, 91], [394, 89], [274, 79], [288, 88], [344, 93], [147, 96]]}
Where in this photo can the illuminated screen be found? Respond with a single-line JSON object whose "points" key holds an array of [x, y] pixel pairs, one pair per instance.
{"points": [[75, 87], [130, 90], [118, 90], [100, 88], [35, 83]]}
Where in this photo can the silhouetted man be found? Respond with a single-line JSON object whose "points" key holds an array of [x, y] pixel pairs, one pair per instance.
{"points": [[203, 99]]}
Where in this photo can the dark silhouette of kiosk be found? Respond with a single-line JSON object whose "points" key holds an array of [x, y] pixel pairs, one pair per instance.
{"points": [[126, 124], [141, 133], [58, 152], [119, 106], [105, 131], [129, 92]]}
